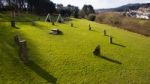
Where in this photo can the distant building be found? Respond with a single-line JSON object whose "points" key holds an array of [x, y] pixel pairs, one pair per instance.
{"points": [[141, 13], [142, 16]]}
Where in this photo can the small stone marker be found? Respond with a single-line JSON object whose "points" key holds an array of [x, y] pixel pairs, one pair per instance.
{"points": [[89, 27], [71, 24], [59, 21], [48, 20], [55, 31], [13, 23], [39, 18], [33, 23], [97, 51], [23, 51], [110, 40], [105, 33], [53, 23]]}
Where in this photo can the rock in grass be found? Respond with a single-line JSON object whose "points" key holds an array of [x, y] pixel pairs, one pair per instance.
{"points": [[33, 23], [55, 31], [90, 27], [53, 23], [13, 23], [110, 39], [71, 24], [105, 33], [97, 50]]}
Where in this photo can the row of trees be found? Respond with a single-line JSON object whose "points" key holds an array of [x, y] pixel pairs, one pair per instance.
{"points": [[37, 6], [69, 10], [86, 11], [43, 7]]}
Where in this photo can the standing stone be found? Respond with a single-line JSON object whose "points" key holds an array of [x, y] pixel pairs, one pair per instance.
{"points": [[110, 40], [89, 27], [53, 23], [39, 18], [105, 33], [23, 51], [48, 20], [13, 23], [71, 24], [59, 21], [33, 23], [97, 51]]}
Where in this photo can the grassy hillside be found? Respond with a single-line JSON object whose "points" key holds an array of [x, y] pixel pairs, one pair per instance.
{"points": [[69, 58]]}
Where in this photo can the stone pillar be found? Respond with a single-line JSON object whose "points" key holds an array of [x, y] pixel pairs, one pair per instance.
{"points": [[53, 23], [39, 18], [105, 33], [23, 51], [110, 40], [33, 23], [97, 51], [13, 23], [89, 27], [71, 24]]}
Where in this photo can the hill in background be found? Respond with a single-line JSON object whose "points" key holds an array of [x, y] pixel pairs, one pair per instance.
{"points": [[126, 7]]}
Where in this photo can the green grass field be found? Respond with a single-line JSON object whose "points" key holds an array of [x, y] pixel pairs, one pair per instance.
{"points": [[69, 58]]}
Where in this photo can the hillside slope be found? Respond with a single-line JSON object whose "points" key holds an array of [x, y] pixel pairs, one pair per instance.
{"points": [[69, 58]]}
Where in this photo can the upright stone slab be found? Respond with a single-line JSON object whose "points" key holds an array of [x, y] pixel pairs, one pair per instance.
{"points": [[97, 51], [48, 20], [110, 40], [71, 24], [13, 23], [59, 21], [39, 18], [23, 51], [33, 23], [53, 23], [90, 27], [105, 33]]}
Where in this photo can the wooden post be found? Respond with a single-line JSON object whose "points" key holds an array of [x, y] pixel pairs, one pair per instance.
{"points": [[13, 23], [23, 51], [110, 40], [105, 33], [97, 51]]}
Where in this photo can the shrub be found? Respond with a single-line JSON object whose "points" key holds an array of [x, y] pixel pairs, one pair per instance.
{"points": [[91, 17], [109, 18]]}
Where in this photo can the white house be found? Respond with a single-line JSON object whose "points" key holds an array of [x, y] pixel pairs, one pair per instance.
{"points": [[142, 16]]}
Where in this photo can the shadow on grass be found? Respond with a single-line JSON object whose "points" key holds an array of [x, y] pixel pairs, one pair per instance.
{"points": [[41, 72], [118, 44], [16, 27], [74, 27], [107, 35], [110, 60]]}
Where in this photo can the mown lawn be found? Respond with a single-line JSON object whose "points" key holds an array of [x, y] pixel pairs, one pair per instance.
{"points": [[69, 58]]}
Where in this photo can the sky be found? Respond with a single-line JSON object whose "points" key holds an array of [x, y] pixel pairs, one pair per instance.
{"points": [[99, 3]]}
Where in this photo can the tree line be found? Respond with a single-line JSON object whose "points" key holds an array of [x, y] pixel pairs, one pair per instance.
{"points": [[43, 7]]}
